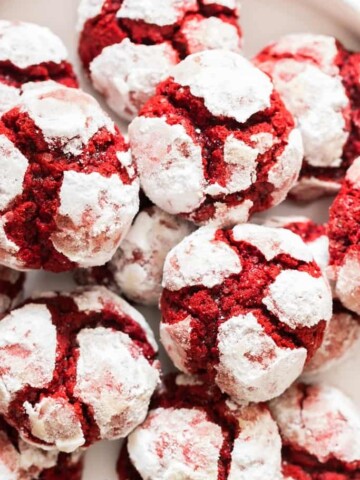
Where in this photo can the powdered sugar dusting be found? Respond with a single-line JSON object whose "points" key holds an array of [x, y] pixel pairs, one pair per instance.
{"points": [[127, 74], [288, 299], [176, 443], [322, 421], [88, 9], [225, 3], [348, 280], [311, 188], [27, 44], [175, 338], [353, 174], [9, 97], [27, 351], [35, 459], [229, 215], [96, 213], [170, 12], [9, 459], [251, 366], [8, 249], [114, 378], [272, 241], [200, 260], [166, 155], [229, 84]]}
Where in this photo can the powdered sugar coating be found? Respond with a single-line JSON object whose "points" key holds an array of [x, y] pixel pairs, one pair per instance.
{"points": [[171, 11], [88, 9], [27, 351], [320, 420], [288, 299], [199, 259], [225, 3], [26, 44], [126, 73], [176, 340], [9, 96], [214, 76], [176, 443], [251, 365], [9, 461], [348, 281]]}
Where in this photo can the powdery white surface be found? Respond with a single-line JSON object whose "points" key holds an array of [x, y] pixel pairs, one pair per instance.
{"points": [[233, 4], [9, 96], [9, 459], [200, 259], [298, 299], [251, 366], [227, 216], [256, 454], [229, 84], [127, 74], [138, 264], [94, 210], [353, 174], [176, 443], [175, 338], [209, 34], [310, 188], [115, 379], [272, 241], [170, 12], [27, 351], [167, 156], [88, 9], [8, 249], [325, 422], [348, 281], [27, 44]]}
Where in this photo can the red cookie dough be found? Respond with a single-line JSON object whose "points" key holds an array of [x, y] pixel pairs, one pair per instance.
{"points": [[216, 144], [319, 83], [76, 368], [344, 234], [11, 288], [137, 267], [246, 307], [68, 189], [320, 430], [30, 53], [129, 46], [197, 433]]}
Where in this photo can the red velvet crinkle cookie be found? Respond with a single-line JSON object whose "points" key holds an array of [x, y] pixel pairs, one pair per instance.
{"points": [[76, 368], [30, 53], [344, 234], [68, 189], [320, 431], [137, 267], [195, 432], [11, 288], [246, 307], [216, 144], [319, 82], [129, 46], [343, 331], [21, 461]]}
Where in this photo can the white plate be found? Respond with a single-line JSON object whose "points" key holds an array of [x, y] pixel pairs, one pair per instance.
{"points": [[263, 20]]}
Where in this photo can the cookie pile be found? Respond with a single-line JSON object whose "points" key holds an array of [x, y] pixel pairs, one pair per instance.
{"points": [[251, 314]]}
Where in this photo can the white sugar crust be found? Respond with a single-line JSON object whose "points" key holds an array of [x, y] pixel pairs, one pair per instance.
{"points": [[256, 454], [200, 259], [228, 83], [298, 299], [9, 459], [115, 379], [35, 460], [127, 74], [88, 9], [209, 34], [232, 4], [27, 44], [176, 443], [9, 97], [226, 216], [66, 116], [310, 188], [8, 249], [13, 166], [27, 351], [348, 280], [353, 173], [169, 164], [138, 264], [95, 211], [251, 366], [324, 422], [171, 11], [175, 338], [54, 421], [272, 242]]}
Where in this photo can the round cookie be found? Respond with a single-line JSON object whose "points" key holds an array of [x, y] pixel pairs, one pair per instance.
{"points": [[11, 288], [136, 269], [129, 46], [194, 432], [320, 431], [216, 144], [317, 82], [344, 235], [246, 307], [30, 53], [84, 371], [68, 189]]}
